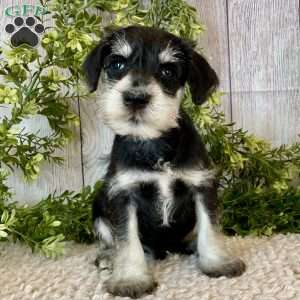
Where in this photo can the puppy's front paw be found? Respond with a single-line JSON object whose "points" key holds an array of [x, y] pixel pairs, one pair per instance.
{"points": [[229, 267], [133, 288]]}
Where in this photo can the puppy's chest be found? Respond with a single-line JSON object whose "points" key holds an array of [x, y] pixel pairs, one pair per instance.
{"points": [[164, 191]]}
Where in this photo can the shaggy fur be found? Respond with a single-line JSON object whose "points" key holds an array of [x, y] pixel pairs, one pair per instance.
{"points": [[160, 187]]}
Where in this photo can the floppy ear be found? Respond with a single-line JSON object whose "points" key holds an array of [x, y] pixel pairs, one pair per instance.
{"points": [[202, 79], [93, 65]]}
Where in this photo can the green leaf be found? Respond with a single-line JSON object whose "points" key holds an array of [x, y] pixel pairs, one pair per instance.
{"points": [[3, 234]]}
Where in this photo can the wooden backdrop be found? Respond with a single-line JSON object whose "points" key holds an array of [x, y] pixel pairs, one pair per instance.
{"points": [[255, 47]]}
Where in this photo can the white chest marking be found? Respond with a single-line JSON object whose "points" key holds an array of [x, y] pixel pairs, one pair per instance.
{"points": [[164, 178]]}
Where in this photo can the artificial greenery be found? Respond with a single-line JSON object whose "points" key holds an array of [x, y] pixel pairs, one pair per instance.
{"points": [[255, 192], [46, 225]]}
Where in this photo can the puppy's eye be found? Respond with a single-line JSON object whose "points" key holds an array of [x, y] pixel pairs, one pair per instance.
{"points": [[167, 71], [117, 65]]}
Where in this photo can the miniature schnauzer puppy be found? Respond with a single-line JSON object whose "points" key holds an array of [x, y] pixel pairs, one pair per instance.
{"points": [[159, 189]]}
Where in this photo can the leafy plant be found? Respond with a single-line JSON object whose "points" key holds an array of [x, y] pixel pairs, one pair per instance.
{"points": [[44, 83], [256, 195], [46, 225], [255, 191]]}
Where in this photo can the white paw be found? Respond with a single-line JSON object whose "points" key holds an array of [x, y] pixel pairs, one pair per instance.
{"points": [[131, 287], [225, 266]]}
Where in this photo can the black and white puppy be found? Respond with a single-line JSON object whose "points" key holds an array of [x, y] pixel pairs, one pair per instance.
{"points": [[159, 186]]}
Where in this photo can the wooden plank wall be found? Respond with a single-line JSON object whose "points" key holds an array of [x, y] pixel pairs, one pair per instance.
{"points": [[255, 47]]}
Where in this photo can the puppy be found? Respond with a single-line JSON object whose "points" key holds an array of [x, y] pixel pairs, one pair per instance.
{"points": [[159, 188]]}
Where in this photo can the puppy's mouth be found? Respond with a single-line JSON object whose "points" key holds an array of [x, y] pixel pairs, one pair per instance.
{"points": [[135, 117]]}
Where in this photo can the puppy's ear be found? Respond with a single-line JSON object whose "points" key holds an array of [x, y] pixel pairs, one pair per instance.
{"points": [[202, 79], [93, 65]]}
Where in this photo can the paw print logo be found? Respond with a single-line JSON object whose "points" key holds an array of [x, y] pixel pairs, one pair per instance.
{"points": [[24, 33]]}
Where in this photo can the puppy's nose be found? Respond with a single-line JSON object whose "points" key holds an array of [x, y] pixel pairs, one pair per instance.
{"points": [[136, 101]]}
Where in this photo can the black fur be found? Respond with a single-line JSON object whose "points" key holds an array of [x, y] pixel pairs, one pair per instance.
{"points": [[202, 79], [181, 147], [146, 44], [93, 65], [142, 87]]}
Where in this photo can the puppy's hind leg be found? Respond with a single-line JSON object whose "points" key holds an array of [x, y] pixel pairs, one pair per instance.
{"points": [[213, 259], [131, 276]]}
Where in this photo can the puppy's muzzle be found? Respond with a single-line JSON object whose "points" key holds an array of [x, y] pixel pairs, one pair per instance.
{"points": [[136, 101]]}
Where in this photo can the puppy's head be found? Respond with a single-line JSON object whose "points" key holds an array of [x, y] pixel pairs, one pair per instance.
{"points": [[141, 73]]}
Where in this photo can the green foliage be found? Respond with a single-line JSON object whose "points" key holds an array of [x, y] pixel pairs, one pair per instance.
{"points": [[46, 225], [44, 83], [175, 16], [256, 195]]}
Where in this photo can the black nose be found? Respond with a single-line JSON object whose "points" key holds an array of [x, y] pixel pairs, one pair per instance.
{"points": [[136, 101]]}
